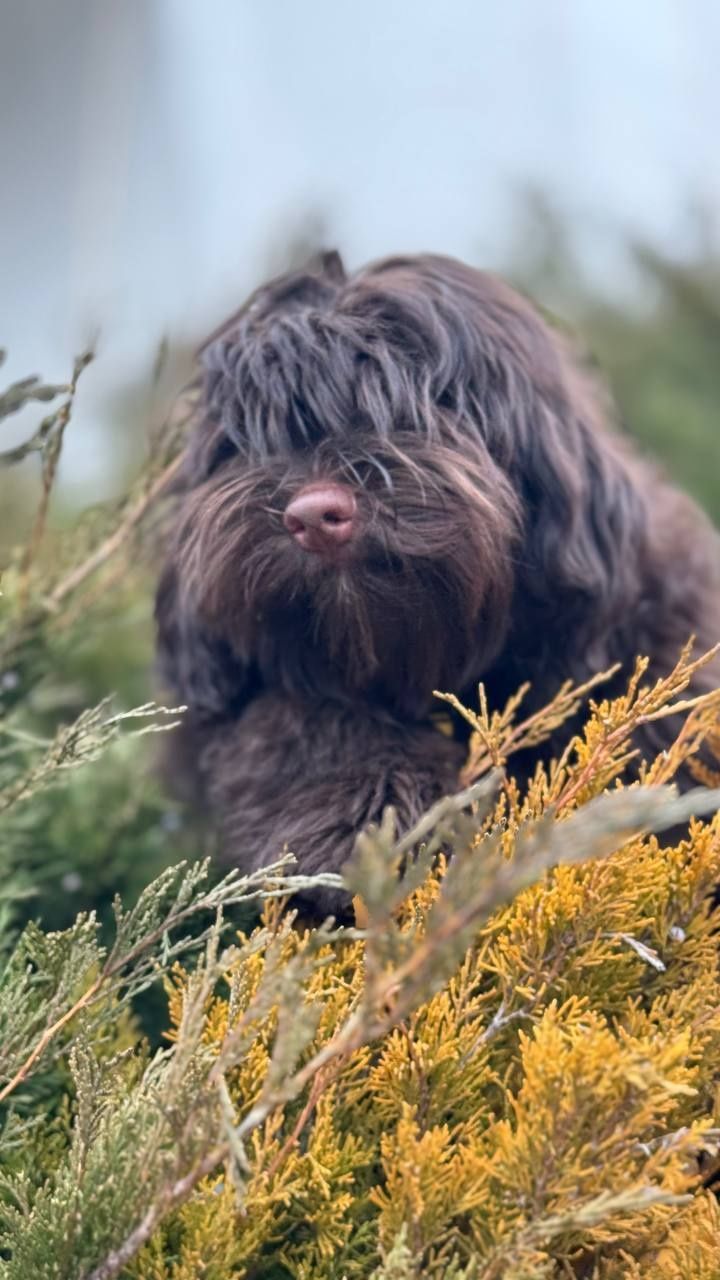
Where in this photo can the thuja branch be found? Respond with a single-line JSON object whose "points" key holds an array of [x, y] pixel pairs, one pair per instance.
{"points": [[48, 441], [642, 710], [496, 735], [163, 466], [77, 744], [114, 541], [134, 960], [169, 1199], [50, 1033]]}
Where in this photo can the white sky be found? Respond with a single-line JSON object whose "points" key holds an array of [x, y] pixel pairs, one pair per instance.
{"points": [[154, 152]]}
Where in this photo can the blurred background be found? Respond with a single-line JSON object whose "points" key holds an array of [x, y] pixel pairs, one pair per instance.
{"points": [[161, 157]]}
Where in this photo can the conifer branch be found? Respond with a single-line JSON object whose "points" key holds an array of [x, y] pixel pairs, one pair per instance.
{"points": [[112, 544]]}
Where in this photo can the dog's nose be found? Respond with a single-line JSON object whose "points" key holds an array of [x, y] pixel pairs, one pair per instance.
{"points": [[321, 517]]}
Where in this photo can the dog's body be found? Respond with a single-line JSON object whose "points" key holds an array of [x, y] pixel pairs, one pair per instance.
{"points": [[401, 482]]}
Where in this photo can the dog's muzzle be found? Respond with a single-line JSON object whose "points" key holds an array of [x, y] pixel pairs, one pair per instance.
{"points": [[322, 517]]}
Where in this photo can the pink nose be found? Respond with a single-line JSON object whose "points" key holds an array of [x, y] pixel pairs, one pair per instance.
{"points": [[321, 517]]}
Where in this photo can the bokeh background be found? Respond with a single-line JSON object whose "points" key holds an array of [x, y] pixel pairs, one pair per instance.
{"points": [[158, 158]]}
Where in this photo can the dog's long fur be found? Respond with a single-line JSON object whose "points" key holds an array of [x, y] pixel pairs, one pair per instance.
{"points": [[508, 533]]}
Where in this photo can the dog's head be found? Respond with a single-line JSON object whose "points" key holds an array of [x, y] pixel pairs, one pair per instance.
{"points": [[384, 467]]}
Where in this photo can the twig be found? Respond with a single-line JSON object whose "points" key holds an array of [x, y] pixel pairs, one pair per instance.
{"points": [[49, 1035], [348, 1038], [523, 734], [115, 965], [49, 436], [174, 1195], [15, 398], [318, 1086], [614, 739], [500, 1019], [115, 540]]}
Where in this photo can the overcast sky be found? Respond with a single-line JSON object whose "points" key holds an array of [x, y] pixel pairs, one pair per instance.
{"points": [[154, 153]]}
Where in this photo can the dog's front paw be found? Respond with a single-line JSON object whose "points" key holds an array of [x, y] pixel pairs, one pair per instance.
{"points": [[309, 779]]}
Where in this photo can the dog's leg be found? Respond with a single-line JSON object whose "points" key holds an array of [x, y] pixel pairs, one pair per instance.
{"points": [[311, 776]]}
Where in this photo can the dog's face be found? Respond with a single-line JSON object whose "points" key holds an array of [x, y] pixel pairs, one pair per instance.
{"points": [[365, 474]]}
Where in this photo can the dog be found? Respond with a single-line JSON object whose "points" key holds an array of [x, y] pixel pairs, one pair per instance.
{"points": [[400, 481]]}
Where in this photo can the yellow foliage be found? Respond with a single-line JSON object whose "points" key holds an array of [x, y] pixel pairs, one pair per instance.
{"points": [[692, 1251], [540, 1116]]}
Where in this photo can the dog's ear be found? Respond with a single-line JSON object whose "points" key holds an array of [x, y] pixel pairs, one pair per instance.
{"points": [[310, 283], [586, 511], [199, 669], [329, 264]]}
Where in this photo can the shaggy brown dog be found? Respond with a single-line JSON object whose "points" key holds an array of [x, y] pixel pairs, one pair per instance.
{"points": [[401, 481]]}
